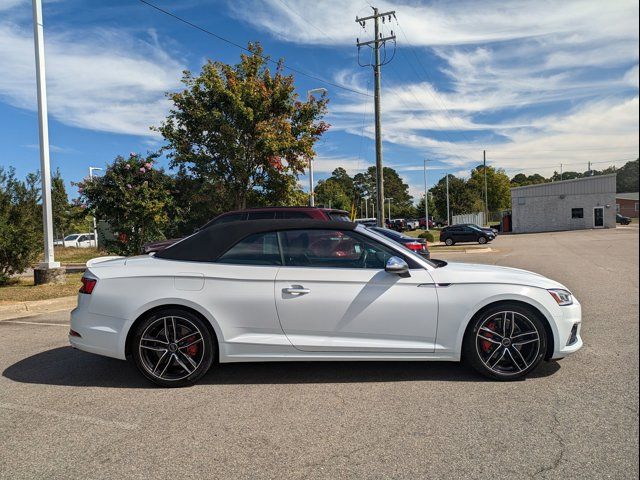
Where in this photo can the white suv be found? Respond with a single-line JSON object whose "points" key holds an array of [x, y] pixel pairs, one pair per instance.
{"points": [[79, 240]]}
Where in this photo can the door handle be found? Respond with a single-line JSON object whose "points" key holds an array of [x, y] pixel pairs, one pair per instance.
{"points": [[296, 290]]}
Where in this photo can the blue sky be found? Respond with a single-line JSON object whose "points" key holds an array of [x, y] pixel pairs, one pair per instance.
{"points": [[536, 84]]}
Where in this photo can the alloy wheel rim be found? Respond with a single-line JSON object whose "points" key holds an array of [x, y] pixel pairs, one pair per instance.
{"points": [[507, 343], [171, 348]]}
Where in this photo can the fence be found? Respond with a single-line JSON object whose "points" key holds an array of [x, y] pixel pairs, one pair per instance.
{"points": [[477, 218]]}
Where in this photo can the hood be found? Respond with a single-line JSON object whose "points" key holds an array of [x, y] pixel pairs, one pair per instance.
{"points": [[474, 273]]}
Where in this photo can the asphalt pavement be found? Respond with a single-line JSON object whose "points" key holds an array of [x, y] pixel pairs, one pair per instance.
{"points": [[70, 414]]}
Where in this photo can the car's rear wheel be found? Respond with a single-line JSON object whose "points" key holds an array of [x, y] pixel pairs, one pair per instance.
{"points": [[173, 348], [482, 240], [506, 342], [449, 242]]}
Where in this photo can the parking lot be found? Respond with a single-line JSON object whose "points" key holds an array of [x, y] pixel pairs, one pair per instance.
{"points": [[70, 414]]}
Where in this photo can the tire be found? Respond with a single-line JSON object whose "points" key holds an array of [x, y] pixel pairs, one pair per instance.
{"points": [[482, 240], [449, 242], [497, 358], [173, 348]]}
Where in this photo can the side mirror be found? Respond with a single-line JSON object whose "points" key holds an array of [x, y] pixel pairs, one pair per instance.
{"points": [[398, 266]]}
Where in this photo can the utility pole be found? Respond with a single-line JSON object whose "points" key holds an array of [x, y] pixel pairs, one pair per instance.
{"points": [[486, 196], [312, 194], [448, 215], [366, 208], [377, 42], [561, 172], [426, 198], [389, 207], [589, 170], [45, 274]]}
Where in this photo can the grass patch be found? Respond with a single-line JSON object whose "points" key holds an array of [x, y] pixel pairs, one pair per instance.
{"points": [[23, 290], [76, 255], [433, 231]]}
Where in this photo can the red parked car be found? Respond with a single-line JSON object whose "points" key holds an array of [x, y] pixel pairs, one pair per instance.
{"points": [[264, 213]]}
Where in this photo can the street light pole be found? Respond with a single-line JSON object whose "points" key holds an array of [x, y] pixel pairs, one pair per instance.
{"points": [[448, 211], [426, 197], [95, 227], [45, 167], [312, 201]]}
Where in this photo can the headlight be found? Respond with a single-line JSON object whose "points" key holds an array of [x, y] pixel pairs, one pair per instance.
{"points": [[563, 297]]}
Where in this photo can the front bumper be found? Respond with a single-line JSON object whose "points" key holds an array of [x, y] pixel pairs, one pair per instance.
{"points": [[99, 334], [569, 326]]}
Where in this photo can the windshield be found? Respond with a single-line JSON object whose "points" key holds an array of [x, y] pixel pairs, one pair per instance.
{"points": [[71, 237], [475, 227], [339, 217]]}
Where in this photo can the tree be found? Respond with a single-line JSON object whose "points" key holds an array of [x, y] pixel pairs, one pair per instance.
{"points": [[20, 223], [330, 192], [402, 206], [60, 206], [239, 128], [498, 187], [627, 179], [433, 211], [462, 199], [135, 198]]}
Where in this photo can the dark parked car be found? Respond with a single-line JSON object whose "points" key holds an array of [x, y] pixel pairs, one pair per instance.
{"points": [[486, 229], [397, 224], [417, 245], [265, 213], [465, 233], [432, 223], [622, 220]]}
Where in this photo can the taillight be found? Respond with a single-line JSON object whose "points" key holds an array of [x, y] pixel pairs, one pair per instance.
{"points": [[88, 284], [414, 246]]}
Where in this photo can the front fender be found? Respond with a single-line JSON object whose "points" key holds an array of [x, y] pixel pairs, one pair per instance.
{"points": [[476, 297]]}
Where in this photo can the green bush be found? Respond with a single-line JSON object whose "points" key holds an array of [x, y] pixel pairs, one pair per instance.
{"points": [[427, 235], [20, 223], [134, 197]]}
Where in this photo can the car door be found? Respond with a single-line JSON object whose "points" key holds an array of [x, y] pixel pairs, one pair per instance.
{"points": [[238, 291], [82, 241], [333, 294], [467, 234]]}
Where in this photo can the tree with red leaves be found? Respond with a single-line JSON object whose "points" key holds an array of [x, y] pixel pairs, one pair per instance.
{"points": [[239, 129]]}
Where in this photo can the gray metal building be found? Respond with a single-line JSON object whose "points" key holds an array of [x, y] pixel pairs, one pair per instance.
{"points": [[568, 205]]}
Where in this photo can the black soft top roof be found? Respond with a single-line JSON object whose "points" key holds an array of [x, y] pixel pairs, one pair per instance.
{"points": [[210, 243]]}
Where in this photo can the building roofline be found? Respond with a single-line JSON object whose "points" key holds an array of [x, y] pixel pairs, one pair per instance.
{"points": [[565, 181]]}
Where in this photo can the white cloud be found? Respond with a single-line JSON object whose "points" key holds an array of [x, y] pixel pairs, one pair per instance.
{"points": [[631, 77], [100, 79]]}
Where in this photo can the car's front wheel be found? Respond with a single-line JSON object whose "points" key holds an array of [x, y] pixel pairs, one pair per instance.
{"points": [[173, 348], [449, 241], [482, 240], [506, 342]]}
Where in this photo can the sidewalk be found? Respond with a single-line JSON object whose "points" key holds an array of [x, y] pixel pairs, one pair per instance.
{"points": [[26, 309]]}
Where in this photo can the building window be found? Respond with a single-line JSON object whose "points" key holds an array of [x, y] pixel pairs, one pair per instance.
{"points": [[617, 208], [577, 213], [636, 206], [521, 201]]}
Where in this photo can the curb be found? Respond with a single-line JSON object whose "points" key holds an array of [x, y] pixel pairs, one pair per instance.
{"points": [[462, 250], [27, 309]]}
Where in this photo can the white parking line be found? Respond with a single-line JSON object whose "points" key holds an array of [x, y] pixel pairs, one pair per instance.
{"points": [[35, 323], [68, 416]]}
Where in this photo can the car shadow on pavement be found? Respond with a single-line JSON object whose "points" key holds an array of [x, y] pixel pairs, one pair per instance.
{"points": [[69, 367]]}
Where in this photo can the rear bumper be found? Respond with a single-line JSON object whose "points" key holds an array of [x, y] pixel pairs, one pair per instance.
{"points": [[99, 334], [568, 340]]}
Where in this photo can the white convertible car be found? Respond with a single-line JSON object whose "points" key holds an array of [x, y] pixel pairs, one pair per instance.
{"points": [[292, 290]]}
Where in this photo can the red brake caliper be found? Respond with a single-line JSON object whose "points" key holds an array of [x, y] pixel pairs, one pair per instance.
{"points": [[192, 350], [485, 344]]}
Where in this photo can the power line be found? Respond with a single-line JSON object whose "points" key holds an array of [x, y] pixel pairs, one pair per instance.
{"points": [[433, 94], [230, 42]]}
